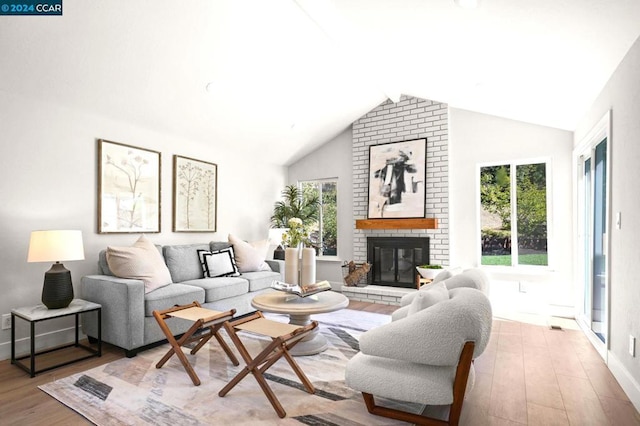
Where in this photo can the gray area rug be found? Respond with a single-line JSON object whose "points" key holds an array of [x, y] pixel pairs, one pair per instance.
{"points": [[134, 392]]}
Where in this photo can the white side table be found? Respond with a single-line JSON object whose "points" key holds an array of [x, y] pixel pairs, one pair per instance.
{"points": [[37, 313]]}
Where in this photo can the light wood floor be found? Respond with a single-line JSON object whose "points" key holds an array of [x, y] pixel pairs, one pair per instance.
{"points": [[529, 374]]}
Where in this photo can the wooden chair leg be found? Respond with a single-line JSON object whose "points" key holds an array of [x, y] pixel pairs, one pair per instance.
{"points": [[190, 336], [459, 388], [227, 349], [233, 382], [177, 350], [460, 383], [275, 403], [403, 416], [296, 368], [278, 348], [203, 341]]}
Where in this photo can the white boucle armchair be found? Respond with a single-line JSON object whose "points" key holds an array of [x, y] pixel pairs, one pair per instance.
{"points": [[425, 356]]}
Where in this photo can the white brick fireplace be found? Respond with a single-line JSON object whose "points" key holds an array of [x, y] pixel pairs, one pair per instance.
{"points": [[411, 118]]}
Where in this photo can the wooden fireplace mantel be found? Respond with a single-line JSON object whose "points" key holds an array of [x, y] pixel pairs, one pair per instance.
{"points": [[420, 223]]}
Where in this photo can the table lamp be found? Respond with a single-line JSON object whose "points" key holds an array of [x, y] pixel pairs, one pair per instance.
{"points": [[275, 241], [56, 246]]}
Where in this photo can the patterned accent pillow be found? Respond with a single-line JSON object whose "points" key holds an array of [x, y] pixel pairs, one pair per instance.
{"points": [[203, 263], [218, 263]]}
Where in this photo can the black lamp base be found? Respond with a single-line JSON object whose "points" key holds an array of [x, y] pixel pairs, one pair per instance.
{"points": [[278, 253], [57, 291]]}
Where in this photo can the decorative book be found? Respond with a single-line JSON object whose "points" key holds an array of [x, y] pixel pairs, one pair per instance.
{"points": [[301, 290]]}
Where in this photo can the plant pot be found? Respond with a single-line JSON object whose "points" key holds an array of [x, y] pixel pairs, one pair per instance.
{"points": [[428, 273]]}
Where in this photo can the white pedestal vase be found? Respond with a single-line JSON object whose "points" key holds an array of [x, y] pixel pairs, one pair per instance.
{"points": [[291, 265], [308, 269], [428, 273]]}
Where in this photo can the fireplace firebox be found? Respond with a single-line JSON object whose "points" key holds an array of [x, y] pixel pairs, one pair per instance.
{"points": [[394, 260]]}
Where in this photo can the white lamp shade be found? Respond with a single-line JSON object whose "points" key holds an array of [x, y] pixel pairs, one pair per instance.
{"points": [[275, 235], [55, 246]]}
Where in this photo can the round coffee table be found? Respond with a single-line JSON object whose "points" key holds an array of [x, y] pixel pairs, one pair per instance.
{"points": [[300, 310]]}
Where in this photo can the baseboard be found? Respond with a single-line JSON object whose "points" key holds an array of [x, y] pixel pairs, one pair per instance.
{"points": [[626, 380], [562, 311], [43, 341]]}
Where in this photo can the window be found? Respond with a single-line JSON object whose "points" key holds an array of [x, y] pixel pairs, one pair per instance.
{"points": [[324, 232], [513, 214]]}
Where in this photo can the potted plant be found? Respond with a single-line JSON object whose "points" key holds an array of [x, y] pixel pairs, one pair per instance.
{"points": [[429, 271], [297, 212], [296, 203]]}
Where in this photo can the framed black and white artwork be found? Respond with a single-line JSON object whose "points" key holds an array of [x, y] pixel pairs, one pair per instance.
{"points": [[397, 179]]}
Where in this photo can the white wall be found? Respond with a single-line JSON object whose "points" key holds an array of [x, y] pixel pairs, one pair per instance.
{"points": [[621, 95], [478, 138], [332, 160], [48, 180]]}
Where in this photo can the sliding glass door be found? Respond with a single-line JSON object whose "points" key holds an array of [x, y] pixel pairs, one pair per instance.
{"points": [[593, 219]]}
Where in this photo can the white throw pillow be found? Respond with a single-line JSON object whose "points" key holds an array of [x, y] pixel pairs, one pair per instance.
{"points": [[250, 256], [220, 263], [434, 293], [142, 261]]}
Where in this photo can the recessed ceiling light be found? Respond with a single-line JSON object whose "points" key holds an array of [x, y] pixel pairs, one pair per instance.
{"points": [[210, 87], [467, 4]]}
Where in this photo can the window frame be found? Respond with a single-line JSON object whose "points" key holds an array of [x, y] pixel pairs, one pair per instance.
{"points": [[320, 181], [513, 164]]}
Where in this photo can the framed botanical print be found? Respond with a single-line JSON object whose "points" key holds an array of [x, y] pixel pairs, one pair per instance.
{"points": [[397, 179], [128, 188], [195, 195]]}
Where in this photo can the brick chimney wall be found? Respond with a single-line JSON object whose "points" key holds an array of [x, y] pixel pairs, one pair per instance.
{"points": [[411, 118]]}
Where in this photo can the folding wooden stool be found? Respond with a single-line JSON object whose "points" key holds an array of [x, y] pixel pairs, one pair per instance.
{"points": [[202, 319], [284, 337]]}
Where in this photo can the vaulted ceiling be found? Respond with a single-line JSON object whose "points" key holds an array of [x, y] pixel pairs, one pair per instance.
{"points": [[285, 76]]}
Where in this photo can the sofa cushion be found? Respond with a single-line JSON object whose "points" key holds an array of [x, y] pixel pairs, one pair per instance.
{"points": [[171, 295], [409, 382], [219, 245], [220, 287], [103, 264], [261, 279], [183, 261], [250, 256], [424, 299], [219, 263], [141, 261]]}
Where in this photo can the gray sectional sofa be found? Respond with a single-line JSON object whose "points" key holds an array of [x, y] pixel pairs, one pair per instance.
{"points": [[127, 312]]}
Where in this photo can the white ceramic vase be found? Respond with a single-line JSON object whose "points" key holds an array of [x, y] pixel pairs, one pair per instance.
{"points": [[308, 267], [291, 265]]}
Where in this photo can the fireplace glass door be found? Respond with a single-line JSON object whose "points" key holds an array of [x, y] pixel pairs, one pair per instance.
{"points": [[394, 260]]}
